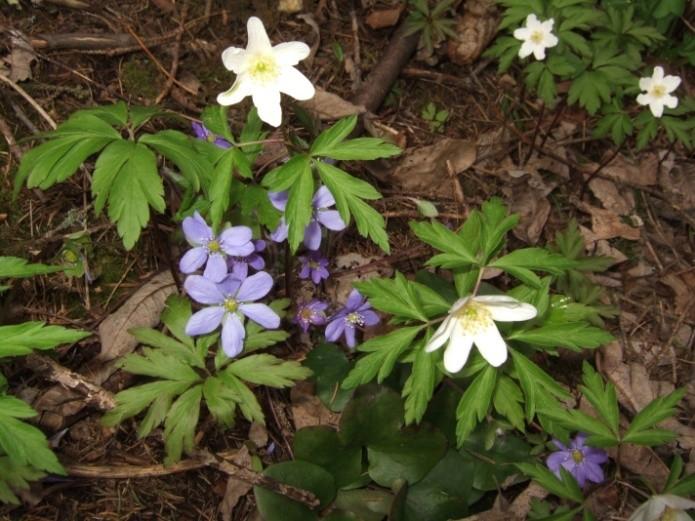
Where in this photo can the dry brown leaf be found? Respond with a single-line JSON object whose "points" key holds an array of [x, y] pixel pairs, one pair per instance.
{"points": [[142, 309], [387, 17], [474, 31], [621, 202], [258, 434], [517, 510], [606, 224], [425, 169], [677, 183], [290, 6], [642, 172], [235, 489], [20, 59], [340, 287], [533, 210], [331, 106], [684, 291], [307, 408]]}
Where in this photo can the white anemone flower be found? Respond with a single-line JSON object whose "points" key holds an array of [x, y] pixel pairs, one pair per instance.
{"points": [[658, 91], [471, 320], [264, 71], [663, 507], [537, 37]]}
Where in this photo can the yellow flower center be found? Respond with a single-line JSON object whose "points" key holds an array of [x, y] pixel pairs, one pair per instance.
{"points": [[658, 91], [263, 68], [355, 319], [475, 317], [211, 138], [313, 265], [537, 36], [306, 314], [214, 247], [577, 456], [231, 305], [669, 515]]}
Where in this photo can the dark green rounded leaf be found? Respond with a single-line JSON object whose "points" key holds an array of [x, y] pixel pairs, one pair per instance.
{"points": [[372, 417], [321, 445]]}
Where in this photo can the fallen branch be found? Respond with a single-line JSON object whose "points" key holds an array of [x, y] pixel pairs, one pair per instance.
{"points": [[31, 100]]}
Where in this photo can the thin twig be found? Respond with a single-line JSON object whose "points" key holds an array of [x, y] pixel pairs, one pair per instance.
{"points": [[31, 100], [177, 56], [535, 135]]}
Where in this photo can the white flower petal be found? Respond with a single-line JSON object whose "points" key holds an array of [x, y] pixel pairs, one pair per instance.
{"points": [[657, 107], [491, 344], [671, 83], [678, 502], [670, 101], [291, 53], [267, 101], [526, 49], [550, 40], [645, 84], [532, 22], [441, 335], [258, 38], [522, 33], [547, 26], [655, 507], [241, 88], [456, 353], [658, 74], [539, 52], [234, 58], [644, 98], [295, 84], [515, 311]]}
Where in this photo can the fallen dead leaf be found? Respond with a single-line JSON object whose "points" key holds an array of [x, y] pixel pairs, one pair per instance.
{"points": [[340, 287], [677, 183], [425, 169], [235, 489], [20, 59], [621, 202], [258, 434], [683, 291], [606, 224], [533, 210], [331, 106], [142, 309], [388, 17], [518, 510], [307, 409], [474, 31], [290, 6], [641, 172]]}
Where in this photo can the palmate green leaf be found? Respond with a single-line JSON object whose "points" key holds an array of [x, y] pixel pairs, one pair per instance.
{"points": [[455, 250], [299, 210], [24, 444], [176, 313], [496, 222], [220, 400], [507, 401], [169, 346], [160, 363], [364, 148], [21, 339], [349, 194], [244, 397], [600, 434], [383, 353], [419, 387], [15, 477], [566, 488], [536, 383], [475, 403], [399, 297], [126, 176], [180, 424], [66, 149], [590, 89], [329, 138], [156, 414], [538, 259], [16, 267], [216, 120], [265, 369], [115, 114], [256, 205], [571, 335], [642, 431], [178, 148], [602, 396], [221, 185]]}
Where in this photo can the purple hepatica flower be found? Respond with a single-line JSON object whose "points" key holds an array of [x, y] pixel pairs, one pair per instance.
{"points": [[322, 201], [201, 132], [210, 250], [310, 314], [240, 265], [583, 462], [228, 303], [356, 313], [314, 265]]}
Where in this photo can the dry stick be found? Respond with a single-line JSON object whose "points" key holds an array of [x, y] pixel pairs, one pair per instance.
{"points": [[558, 111], [535, 135], [94, 394], [600, 167], [31, 100], [177, 56]]}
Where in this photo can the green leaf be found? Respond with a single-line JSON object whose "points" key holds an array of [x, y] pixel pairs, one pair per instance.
{"points": [[602, 396], [299, 208], [572, 335], [591, 88], [535, 383], [134, 400], [15, 477], [256, 205], [397, 296], [186, 353], [286, 175], [180, 424], [220, 400], [177, 148], [538, 259], [221, 187], [475, 403], [322, 446], [140, 115], [126, 176], [246, 400], [329, 366], [507, 401], [215, 119], [175, 316], [655, 412], [419, 387], [457, 254], [23, 443], [576, 41], [364, 148], [566, 488], [372, 417], [684, 488], [408, 455], [268, 370], [16, 267], [21, 339], [329, 138], [383, 353], [275, 507], [115, 114], [158, 363]]}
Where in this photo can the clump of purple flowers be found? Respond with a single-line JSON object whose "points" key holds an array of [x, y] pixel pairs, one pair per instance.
{"points": [[580, 460], [229, 303], [314, 266], [321, 216], [356, 314], [211, 250], [311, 313], [240, 265], [202, 132]]}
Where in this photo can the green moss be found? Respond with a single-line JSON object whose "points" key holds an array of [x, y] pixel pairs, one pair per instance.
{"points": [[140, 78]]}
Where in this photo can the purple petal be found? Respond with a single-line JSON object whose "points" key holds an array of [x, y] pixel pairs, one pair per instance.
{"points": [[316, 276], [256, 261], [204, 321], [335, 329], [233, 334], [593, 472], [579, 473], [222, 143], [199, 130], [216, 268], [560, 445], [578, 441], [261, 314], [240, 270], [259, 244], [203, 290], [354, 301], [278, 200], [229, 286], [312, 235], [331, 219], [370, 318], [323, 198], [597, 456], [236, 236], [317, 305], [350, 336], [196, 230], [193, 259], [280, 233], [555, 460], [255, 287], [305, 271]]}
